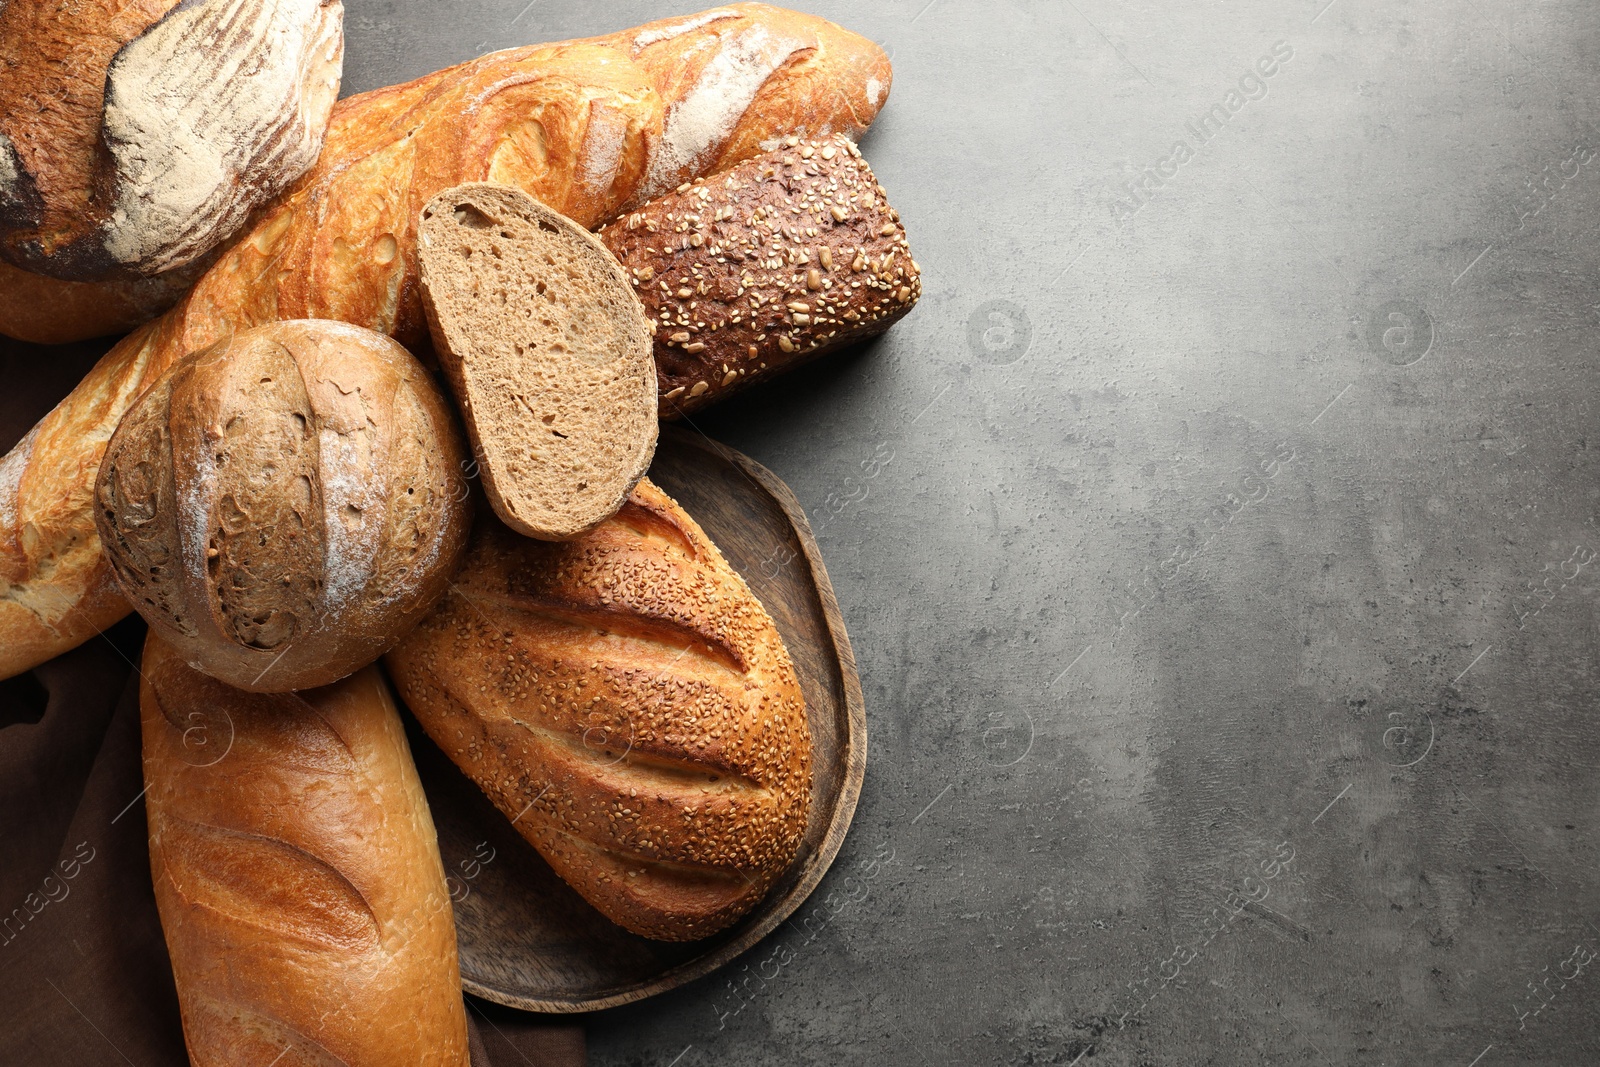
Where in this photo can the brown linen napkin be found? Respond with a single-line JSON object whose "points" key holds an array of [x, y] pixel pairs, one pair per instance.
{"points": [[84, 974]]}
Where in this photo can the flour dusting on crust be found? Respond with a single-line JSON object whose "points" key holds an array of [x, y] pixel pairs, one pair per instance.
{"points": [[352, 495], [11, 468], [678, 29], [211, 111], [603, 140], [10, 171], [699, 124]]}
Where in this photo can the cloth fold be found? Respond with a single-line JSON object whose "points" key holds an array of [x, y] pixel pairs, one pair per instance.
{"points": [[84, 972]]}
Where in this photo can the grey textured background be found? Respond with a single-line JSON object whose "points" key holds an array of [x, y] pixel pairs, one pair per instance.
{"points": [[1080, 747]]}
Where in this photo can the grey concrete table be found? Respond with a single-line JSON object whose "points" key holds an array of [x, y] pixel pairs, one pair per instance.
{"points": [[1224, 582]]}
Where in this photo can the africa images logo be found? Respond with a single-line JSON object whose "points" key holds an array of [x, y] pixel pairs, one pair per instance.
{"points": [[1252, 85]]}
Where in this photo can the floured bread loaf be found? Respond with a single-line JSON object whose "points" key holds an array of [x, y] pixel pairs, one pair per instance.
{"points": [[135, 137], [281, 506], [627, 702], [547, 351]]}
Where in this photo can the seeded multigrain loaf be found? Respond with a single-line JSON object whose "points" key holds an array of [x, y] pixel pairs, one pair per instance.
{"points": [[547, 351], [749, 272], [281, 506], [627, 702]]}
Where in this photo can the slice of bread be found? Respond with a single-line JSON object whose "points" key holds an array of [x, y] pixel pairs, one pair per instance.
{"points": [[548, 352]]}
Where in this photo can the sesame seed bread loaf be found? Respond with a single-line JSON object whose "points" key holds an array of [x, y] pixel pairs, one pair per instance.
{"points": [[627, 702], [283, 505], [297, 874], [587, 127], [137, 135], [771, 263], [547, 351]]}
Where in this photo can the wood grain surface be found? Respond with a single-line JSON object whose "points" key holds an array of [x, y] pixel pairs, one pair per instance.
{"points": [[527, 940]]}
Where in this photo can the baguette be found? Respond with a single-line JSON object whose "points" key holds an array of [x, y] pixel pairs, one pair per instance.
{"points": [[627, 702], [136, 137], [757, 269], [587, 127], [547, 351], [297, 874]]}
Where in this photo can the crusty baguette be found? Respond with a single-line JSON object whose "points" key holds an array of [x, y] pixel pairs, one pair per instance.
{"points": [[770, 263], [297, 874], [283, 505], [627, 702], [579, 125], [547, 351], [136, 136]]}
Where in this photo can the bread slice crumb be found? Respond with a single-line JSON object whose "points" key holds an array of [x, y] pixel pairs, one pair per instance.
{"points": [[548, 352]]}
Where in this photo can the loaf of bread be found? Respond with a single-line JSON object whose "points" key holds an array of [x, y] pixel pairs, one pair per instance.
{"points": [[588, 128], [283, 505], [627, 702], [47, 311], [297, 874], [771, 263], [547, 351], [135, 137]]}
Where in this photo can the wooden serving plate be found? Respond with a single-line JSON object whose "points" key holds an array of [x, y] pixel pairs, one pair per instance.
{"points": [[526, 939]]}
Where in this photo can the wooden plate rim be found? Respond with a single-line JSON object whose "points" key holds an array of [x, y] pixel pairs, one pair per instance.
{"points": [[818, 863]]}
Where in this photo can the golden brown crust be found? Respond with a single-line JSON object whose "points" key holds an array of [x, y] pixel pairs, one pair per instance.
{"points": [[342, 245], [48, 311], [771, 263], [283, 505], [323, 928], [629, 704]]}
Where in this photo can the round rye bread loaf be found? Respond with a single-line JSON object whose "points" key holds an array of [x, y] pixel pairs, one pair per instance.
{"points": [[282, 505], [628, 703]]}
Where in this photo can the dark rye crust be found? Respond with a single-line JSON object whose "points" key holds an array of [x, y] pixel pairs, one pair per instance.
{"points": [[766, 265]]}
